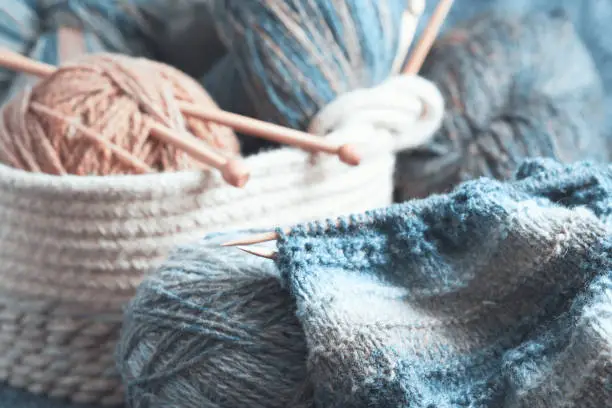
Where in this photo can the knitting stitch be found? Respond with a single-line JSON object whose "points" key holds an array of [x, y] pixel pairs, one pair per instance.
{"points": [[497, 295]]}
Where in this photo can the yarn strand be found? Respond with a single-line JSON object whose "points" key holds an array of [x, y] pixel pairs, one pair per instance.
{"points": [[128, 159]]}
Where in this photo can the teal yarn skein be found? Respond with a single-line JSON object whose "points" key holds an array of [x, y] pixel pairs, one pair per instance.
{"points": [[213, 328], [293, 57]]}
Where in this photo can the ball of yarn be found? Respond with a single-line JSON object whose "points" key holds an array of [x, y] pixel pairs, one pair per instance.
{"points": [[590, 19], [117, 98], [295, 56], [55, 31], [213, 328], [510, 93]]}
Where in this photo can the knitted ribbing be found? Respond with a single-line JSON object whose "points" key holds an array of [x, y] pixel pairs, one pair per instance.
{"points": [[496, 295]]}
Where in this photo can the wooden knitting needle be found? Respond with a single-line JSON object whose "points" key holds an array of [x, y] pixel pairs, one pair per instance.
{"points": [[413, 67], [260, 252], [410, 21], [255, 239], [347, 152], [232, 170], [428, 37], [19, 63], [70, 44]]}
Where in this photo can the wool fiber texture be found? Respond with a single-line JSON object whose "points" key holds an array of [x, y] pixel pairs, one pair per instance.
{"points": [[213, 328], [497, 295], [510, 93]]}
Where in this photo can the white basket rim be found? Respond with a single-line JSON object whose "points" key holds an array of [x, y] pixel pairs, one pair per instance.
{"points": [[160, 184]]}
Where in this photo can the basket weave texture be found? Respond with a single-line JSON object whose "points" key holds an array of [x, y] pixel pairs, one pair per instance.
{"points": [[73, 249]]}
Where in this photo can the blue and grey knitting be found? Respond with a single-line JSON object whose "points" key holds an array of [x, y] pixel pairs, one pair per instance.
{"points": [[497, 295], [510, 94]]}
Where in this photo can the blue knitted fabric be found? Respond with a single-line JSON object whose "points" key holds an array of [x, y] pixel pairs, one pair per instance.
{"points": [[497, 295]]}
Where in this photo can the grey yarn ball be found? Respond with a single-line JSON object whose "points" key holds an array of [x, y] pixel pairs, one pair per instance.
{"points": [[514, 87], [213, 328]]}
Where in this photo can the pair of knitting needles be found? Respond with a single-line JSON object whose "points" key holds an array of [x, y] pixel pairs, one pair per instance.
{"points": [[233, 170], [412, 68]]}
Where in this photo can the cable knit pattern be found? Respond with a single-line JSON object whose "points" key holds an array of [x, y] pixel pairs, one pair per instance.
{"points": [[497, 295]]}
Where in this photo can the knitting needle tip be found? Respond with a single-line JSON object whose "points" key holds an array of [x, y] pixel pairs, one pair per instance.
{"points": [[260, 252], [253, 239], [416, 7], [348, 154], [235, 173]]}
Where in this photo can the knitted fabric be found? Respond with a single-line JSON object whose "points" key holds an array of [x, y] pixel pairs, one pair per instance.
{"points": [[496, 295]]}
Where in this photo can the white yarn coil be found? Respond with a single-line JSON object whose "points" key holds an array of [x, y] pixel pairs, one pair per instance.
{"points": [[73, 249], [409, 108]]}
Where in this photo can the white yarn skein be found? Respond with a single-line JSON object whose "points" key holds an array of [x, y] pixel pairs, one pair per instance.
{"points": [[410, 108]]}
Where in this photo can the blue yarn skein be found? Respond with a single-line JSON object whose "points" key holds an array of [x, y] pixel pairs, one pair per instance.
{"points": [[30, 27], [213, 328], [590, 18], [510, 93], [295, 56]]}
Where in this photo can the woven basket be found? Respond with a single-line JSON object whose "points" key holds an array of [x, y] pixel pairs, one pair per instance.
{"points": [[73, 249]]}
